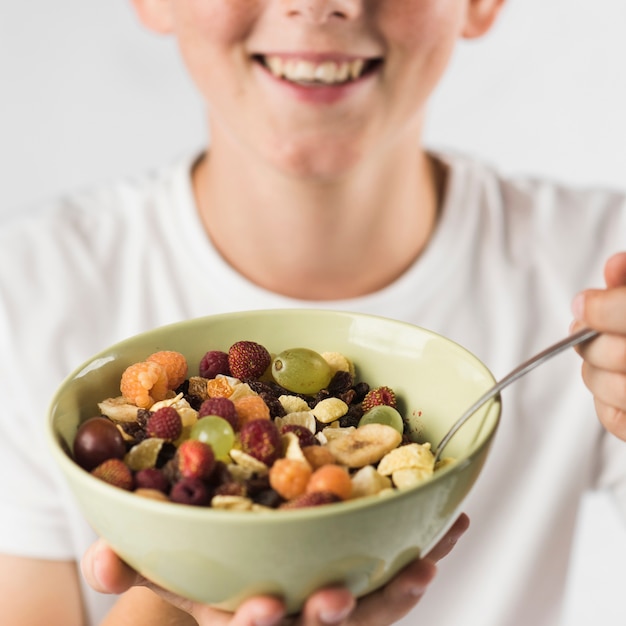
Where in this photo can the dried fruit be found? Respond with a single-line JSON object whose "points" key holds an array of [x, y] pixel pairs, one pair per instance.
{"points": [[144, 454], [260, 439], [219, 388], [289, 477], [115, 472], [333, 478], [379, 395], [410, 456], [248, 360], [317, 498], [368, 482], [118, 409], [144, 383], [165, 423], [365, 445], [329, 410], [318, 456], [195, 459], [213, 363], [174, 363], [97, 440]]}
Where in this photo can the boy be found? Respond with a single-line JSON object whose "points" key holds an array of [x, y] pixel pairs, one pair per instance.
{"points": [[315, 191]]}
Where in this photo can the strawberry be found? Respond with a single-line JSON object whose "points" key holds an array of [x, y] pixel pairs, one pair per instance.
{"points": [[115, 472], [378, 396], [248, 360], [260, 438], [195, 459]]}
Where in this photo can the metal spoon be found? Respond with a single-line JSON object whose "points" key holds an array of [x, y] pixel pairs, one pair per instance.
{"points": [[573, 340]]}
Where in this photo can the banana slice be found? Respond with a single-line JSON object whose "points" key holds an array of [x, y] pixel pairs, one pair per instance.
{"points": [[118, 409], [366, 445]]}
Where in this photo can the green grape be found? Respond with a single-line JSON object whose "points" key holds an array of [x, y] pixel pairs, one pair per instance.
{"points": [[383, 414], [301, 370], [216, 432]]}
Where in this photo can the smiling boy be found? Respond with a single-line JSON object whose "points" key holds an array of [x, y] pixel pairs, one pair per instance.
{"points": [[315, 190]]}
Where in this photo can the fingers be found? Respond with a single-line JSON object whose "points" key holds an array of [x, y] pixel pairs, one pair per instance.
{"points": [[615, 270], [330, 606], [105, 571], [604, 367], [397, 598], [445, 545]]}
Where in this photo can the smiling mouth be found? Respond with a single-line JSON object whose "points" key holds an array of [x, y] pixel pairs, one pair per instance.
{"points": [[305, 72]]}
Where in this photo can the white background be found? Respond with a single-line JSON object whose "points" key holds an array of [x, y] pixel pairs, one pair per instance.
{"points": [[86, 95]]}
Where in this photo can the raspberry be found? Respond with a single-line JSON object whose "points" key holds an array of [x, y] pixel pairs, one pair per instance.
{"points": [[174, 363], [195, 459], [144, 383], [151, 478], [317, 498], [377, 396], [289, 477], [115, 472], [332, 478], [248, 360], [260, 438], [250, 408], [214, 362], [190, 491], [219, 406], [165, 424], [305, 436]]}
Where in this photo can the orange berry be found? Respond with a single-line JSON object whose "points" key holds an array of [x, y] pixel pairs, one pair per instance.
{"points": [[144, 383], [251, 408], [218, 388], [332, 478], [289, 477], [175, 365], [318, 456]]}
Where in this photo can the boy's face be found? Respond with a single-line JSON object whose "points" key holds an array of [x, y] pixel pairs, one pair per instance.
{"points": [[313, 86]]}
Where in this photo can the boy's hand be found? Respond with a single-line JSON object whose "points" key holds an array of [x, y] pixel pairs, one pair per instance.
{"points": [[604, 367], [106, 573]]}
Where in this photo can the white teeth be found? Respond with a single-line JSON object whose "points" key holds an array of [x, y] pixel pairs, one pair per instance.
{"points": [[327, 72]]}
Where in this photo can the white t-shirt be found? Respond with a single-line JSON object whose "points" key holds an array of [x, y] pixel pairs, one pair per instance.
{"points": [[498, 277]]}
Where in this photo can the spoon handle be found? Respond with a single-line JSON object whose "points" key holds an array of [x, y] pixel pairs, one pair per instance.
{"points": [[518, 372]]}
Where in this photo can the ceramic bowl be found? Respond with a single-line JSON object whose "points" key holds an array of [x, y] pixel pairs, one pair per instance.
{"points": [[223, 557]]}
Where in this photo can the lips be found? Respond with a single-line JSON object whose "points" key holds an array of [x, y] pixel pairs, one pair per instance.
{"points": [[325, 72]]}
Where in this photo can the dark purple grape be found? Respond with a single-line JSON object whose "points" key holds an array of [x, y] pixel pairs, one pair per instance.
{"points": [[97, 440]]}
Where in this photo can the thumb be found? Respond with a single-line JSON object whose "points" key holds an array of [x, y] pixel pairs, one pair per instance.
{"points": [[615, 270]]}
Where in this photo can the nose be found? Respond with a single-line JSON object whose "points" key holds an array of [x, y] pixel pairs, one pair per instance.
{"points": [[321, 11]]}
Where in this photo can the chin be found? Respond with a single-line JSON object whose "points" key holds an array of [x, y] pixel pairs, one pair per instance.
{"points": [[321, 163]]}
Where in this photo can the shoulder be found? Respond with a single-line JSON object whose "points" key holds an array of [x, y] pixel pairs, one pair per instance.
{"points": [[528, 193]]}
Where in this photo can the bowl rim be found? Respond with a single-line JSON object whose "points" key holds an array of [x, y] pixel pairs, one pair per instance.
{"points": [[275, 516]]}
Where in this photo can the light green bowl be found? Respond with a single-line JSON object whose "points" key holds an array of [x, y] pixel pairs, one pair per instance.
{"points": [[223, 557]]}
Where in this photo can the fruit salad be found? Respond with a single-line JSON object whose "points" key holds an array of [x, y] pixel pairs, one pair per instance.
{"points": [[252, 431]]}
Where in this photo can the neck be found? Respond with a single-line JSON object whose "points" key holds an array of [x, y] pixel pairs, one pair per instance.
{"points": [[320, 239]]}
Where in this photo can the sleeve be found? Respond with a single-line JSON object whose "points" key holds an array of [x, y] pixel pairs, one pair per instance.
{"points": [[33, 521]]}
